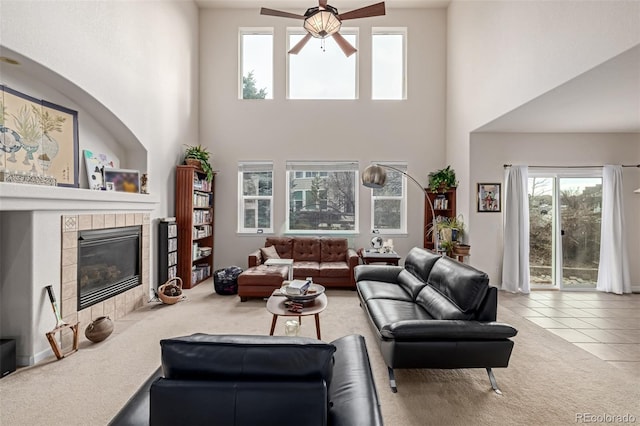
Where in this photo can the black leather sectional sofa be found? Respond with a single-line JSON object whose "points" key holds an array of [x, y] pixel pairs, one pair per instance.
{"points": [[257, 380], [434, 312]]}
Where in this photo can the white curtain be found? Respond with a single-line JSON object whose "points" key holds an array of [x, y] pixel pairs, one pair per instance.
{"points": [[515, 257], [613, 271]]}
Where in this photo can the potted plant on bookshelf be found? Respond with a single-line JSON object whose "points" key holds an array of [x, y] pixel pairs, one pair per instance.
{"points": [[199, 157], [451, 229], [443, 179]]}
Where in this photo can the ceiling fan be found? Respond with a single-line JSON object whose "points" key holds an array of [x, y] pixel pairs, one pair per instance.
{"points": [[324, 20]]}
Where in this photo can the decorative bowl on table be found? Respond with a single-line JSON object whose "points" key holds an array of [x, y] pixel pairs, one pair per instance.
{"points": [[313, 291]]}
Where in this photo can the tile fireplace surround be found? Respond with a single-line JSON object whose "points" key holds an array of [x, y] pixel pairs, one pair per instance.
{"points": [[38, 247], [115, 307]]}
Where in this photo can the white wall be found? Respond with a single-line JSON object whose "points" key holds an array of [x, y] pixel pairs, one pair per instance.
{"points": [[139, 61], [490, 151], [502, 54], [278, 129]]}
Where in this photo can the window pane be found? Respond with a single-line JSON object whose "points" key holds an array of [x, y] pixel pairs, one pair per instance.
{"points": [[255, 196], [264, 213], [257, 183], [257, 66], [322, 73], [387, 214], [580, 216], [325, 202], [387, 66], [393, 186], [541, 230], [250, 213]]}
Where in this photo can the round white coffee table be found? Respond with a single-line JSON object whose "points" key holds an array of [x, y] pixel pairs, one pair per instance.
{"points": [[275, 305]]}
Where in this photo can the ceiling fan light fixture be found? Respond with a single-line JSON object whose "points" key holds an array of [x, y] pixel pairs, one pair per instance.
{"points": [[322, 23]]}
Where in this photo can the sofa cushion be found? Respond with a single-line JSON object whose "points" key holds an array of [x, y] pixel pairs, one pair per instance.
{"points": [[333, 249], [306, 249], [411, 284], [382, 290], [224, 357], [462, 284], [386, 311], [439, 306], [306, 269], [283, 245], [269, 253], [419, 262], [334, 269]]}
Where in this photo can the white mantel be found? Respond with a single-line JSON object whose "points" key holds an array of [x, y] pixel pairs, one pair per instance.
{"points": [[31, 252], [24, 197]]}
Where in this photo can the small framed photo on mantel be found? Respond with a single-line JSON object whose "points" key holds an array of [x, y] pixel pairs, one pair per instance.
{"points": [[489, 197], [121, 180]]}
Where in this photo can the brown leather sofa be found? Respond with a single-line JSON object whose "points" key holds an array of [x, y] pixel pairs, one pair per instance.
{"points": [[328, 260]]}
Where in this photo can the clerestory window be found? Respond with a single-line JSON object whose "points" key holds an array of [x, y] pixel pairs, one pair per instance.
{"points": [[321, 70], [256, 63]]}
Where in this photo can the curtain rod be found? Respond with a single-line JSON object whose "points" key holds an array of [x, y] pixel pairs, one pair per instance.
{"points": [[571, 167]]}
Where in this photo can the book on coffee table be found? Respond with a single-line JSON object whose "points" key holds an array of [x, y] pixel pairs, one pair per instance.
{"points": [[298, 286]]}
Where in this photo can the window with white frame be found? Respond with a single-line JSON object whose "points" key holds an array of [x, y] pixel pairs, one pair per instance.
{"points": [[388, 63], [388, 204], [322, 197], [255, 189], [256, 63], [321, 70]]}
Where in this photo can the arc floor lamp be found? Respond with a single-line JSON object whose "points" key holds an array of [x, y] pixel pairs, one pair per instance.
{"points": [[375, 176]]}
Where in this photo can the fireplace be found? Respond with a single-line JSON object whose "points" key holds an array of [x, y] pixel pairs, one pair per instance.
{"points": [[109, 263]]}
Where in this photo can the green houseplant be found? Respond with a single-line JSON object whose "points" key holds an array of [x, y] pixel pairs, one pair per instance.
{"points": [[200, 154], [442, 179]]}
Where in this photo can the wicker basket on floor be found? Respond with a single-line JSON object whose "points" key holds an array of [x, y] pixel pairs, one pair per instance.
{"points": [[170, 300]]}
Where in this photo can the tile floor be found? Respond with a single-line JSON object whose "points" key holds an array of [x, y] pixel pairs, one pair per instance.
{"points": [[606, 325]]}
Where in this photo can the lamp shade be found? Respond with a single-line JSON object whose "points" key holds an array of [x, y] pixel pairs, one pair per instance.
{"points": [[321, 23], [374, 176]]}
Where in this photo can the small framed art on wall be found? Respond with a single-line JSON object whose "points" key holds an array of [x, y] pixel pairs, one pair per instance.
{"points": [[489, 197]]}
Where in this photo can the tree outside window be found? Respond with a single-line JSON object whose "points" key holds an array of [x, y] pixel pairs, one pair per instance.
{"points": [[324, 200]]}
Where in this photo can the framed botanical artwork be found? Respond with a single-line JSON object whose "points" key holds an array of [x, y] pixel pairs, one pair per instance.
{"points": [[38, 137], [121, 180], [489, 197]]}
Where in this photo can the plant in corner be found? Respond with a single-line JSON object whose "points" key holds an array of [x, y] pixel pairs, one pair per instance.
{"points": [[442, 179], [201, 154]]}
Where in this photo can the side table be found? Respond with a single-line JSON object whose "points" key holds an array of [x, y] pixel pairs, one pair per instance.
{"points": [[369, 256]]}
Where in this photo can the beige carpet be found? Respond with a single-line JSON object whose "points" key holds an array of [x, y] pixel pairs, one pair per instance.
{"points": [[548, 382]]}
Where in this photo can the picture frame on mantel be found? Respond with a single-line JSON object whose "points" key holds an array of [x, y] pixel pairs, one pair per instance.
{"points": [[39, 138], [122, 180], [489, 198]]}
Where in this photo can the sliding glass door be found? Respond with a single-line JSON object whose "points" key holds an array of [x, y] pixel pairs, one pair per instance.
{"points": [[565, 216]]}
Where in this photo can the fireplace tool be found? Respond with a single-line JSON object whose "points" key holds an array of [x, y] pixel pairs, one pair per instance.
{"points": [[60, 326]]}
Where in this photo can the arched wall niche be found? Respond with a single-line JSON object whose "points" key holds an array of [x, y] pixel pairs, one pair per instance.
{"points": [[99, 129]]}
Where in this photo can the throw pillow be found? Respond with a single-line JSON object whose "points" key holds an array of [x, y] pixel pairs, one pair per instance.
{"points": [[269, 253]]}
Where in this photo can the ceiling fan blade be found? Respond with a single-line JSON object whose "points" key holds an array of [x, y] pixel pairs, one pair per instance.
{"points": [[364, 12], [322, 3], [272, 12], [346, 47], [299, 45]]}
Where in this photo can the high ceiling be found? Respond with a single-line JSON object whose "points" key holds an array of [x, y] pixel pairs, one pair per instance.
{"points": [[302, 5]]}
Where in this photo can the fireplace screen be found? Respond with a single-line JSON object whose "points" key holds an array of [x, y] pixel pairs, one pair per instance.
{"points": [[108, 263]]}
